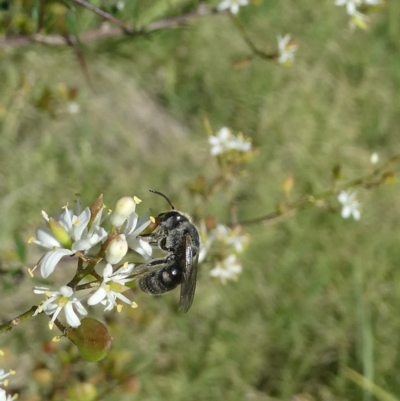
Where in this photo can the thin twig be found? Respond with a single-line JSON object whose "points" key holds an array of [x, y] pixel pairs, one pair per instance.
{"points": [[287, 209], [249, 42], [126, 28], [106, 31]]}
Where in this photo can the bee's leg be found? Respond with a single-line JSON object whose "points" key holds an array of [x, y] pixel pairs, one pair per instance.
{"points": [[154, 264]]}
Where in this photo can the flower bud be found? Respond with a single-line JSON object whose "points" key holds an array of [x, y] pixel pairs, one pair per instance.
{"points": [[95, 209], [117, 249], [60, 233], [122, 209]]}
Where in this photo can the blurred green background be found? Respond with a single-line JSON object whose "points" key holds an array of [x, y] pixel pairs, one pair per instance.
{"points": [[318, 294]]}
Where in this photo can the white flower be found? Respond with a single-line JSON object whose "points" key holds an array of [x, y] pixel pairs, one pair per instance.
{"points": [[232, 5], [351, 207], [81, 237], [120, 5], [351, 5], [73, 108], [240, 144], [56, 301], [374, 158], [233, 238], [5, 397], [287, 49], [111, 287], [133, 227], [228, 269], [221, 142], [225, 141]]}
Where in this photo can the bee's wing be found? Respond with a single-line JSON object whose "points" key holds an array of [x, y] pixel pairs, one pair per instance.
{"points": [[188, 286]]}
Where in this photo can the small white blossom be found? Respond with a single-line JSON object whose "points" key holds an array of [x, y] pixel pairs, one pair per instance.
{"points": [[76, 226], [73, 108], [221, 142], [240, 144], [228, 269], [374, 158], [225, 141], [5, 397], [351, 207], [58, 300], [233, 238], [120, 5], [351, 5], [287, 50], [111, 287], [232, 5]]}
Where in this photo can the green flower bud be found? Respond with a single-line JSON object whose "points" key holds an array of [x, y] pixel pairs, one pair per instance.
{"points": [[60, 233]]}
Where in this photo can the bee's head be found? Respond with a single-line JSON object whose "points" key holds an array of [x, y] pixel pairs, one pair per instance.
{"points": [[171, 220]]}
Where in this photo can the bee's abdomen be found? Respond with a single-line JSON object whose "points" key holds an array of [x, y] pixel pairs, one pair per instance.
{"points": [[161, 281]]}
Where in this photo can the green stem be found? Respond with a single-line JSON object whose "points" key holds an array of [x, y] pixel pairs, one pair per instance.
{"points": [[8, 326]]}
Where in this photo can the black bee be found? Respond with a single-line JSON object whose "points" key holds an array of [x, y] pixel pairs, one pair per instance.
{"points": [[178, 236]]}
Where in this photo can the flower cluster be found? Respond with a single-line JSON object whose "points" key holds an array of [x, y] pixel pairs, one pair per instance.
{"points": [[93, 238], [225, 141], [351, 207], [286, 50], [232, 5], [221, 245]]}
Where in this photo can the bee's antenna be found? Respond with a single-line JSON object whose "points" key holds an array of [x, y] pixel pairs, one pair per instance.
{"points": [[164, 196]]}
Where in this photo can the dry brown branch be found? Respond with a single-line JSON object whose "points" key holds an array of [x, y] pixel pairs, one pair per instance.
{"points": [[106, 30]]}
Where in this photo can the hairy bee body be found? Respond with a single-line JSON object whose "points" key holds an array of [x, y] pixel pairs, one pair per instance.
{"points": [[179, 238]]}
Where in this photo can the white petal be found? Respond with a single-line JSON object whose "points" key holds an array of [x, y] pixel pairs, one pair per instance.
{"points": [[49, 261], [66, 291], [346, 212], [81, 309], [224, 5], [72, 318], [356, 214], [234, 8], [99, 235], [65, 219], [343, 197], [81, 245], [97, 297], [141, 247], [81, 223], [107, 272], [123, 298], [46, 238]]}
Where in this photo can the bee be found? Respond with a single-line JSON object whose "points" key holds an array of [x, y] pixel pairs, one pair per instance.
{"points": [[176, 235]]}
